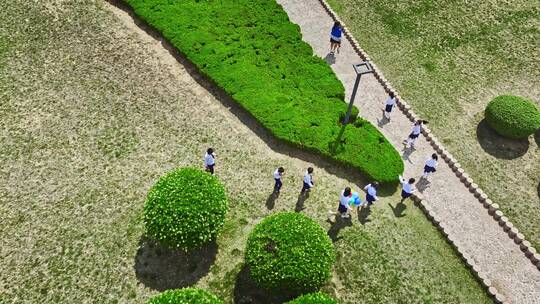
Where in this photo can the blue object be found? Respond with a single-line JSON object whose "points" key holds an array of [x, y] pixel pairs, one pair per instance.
{"points": [[355, 199]]}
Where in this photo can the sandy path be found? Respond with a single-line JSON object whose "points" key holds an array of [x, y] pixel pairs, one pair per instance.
{"points": [[474, 229]]}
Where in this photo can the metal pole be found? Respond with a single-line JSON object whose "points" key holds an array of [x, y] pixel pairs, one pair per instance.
{"points": [[353, 95]]}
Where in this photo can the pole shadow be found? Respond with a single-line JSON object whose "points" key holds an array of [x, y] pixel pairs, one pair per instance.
{"points": [[246, 291], [302, 197], [271, 200], [161, 268], [337, 225], [399, 209], [363, 214], [499, 146]]}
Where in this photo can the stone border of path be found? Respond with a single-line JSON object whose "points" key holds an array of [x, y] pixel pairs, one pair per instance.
{"points": [[492, 208]]}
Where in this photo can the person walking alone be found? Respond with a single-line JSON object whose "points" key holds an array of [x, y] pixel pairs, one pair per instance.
{"points": [[407, 188], [389, 105], [278, 174], [210, 160], [308, 181], [335, 37], [415, 133], [431, 166], [371, 193]]}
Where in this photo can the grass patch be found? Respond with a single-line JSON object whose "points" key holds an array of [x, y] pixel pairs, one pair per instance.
{"points": [[449, 59], [72, 216]]}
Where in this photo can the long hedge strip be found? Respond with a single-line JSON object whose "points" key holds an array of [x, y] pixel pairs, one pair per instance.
{"points": [[253, 52]]}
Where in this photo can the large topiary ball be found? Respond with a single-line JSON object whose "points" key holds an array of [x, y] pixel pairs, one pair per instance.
{"points": [[313, 298], [289, 252], [185, 209], [513, 116], [185, 296]]}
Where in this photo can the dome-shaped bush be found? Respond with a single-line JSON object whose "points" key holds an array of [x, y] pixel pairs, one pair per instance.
{"points": [[185, 209], [185, 296], [289, 252], [313, 298], [513, 116]]}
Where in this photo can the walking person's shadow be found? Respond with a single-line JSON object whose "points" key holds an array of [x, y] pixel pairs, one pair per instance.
{"points": [[271, 200], [398, 209], [407, 153], [330, 58], [363, 214], [337, 225], [423, 184], [383, 121], [302, 197]]}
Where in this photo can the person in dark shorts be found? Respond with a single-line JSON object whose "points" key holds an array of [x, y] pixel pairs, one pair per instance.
{"points": [[278, 174], [389, 105], [371, 193], [430, 166], [415, 133], [308, 181], [344, 205], [407, 187], [335, 37], [210, 160]]}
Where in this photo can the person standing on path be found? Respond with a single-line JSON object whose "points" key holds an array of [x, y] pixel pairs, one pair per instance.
{"points": [[415, 133], [308, 181], [430, 166], [371, 193], [407, 188], [277, 177], [335, 37], [210, 160], [389, 105]]}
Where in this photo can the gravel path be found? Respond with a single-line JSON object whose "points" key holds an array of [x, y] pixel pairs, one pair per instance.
{"points": [[474, 230]]}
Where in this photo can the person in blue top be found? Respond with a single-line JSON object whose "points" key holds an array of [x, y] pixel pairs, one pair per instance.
{"points": [[335, 37]]}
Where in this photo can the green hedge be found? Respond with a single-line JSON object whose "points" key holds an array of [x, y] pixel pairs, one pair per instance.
{"points": [[185, 209], [185, 296], [289, 252], [253, 52], [513, 116], [313, 298]]}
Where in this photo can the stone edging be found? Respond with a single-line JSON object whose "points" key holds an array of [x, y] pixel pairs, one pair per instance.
{"points": [[493, 209]]}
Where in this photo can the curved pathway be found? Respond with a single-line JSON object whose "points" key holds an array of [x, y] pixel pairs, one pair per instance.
{"points": [[473, 229]]}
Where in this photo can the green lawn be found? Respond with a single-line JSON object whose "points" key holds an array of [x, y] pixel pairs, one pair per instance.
{"points": [[449, 59], [92, 114]]}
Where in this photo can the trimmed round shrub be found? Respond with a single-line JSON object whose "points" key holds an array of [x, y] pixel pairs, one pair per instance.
{"points": [[313, 298], [290, 253], [185, 209], [185, 296], [513, 116]]}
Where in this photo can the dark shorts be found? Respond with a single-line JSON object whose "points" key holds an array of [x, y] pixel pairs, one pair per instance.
{"points": [[210, 168], [335, 41], [306, 187], [342, 209], [278, 184], [428, 169], [370, 199], [413, 136], [388, 108], [405, 194]]}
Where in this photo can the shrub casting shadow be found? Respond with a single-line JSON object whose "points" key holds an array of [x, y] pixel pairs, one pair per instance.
{"points": [[161, 268], [499, 146], [332, 166], [247, 292]]}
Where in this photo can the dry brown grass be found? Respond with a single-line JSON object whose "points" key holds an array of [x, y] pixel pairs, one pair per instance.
{"points": [[93, 112]]}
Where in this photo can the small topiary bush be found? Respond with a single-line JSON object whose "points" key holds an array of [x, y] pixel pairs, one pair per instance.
{"points": [[513, 116], [251, 50], [289, 252], [313, 298], [185, 296], [185, 209]]}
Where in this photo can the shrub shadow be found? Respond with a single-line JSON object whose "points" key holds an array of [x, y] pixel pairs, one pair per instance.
{"points": [[537, 138], [499, 146], [161, 268], [399, 209], [331, 166], [247, 292]]}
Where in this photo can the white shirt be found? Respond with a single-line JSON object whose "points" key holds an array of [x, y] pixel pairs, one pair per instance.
{"points": [[308, 179], [431, 163], [371, 191], [416, 129], [344, 200], [406, 186], [209, 159], [277, 175], [390, 101]]}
